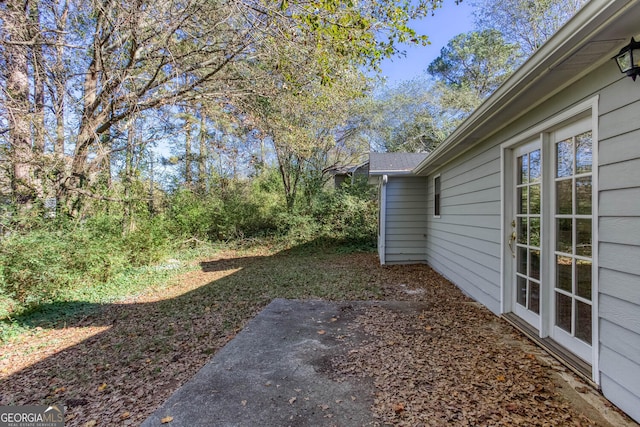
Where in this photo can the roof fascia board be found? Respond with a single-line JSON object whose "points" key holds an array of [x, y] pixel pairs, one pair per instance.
{"points": [[391, 172], [570, 38]]}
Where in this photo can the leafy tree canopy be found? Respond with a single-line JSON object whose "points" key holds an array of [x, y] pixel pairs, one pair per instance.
{"points": [[524, 22], [477, 62]]}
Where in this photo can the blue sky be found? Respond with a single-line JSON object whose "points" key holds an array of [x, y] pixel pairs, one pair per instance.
{"points": [[448, 21]]}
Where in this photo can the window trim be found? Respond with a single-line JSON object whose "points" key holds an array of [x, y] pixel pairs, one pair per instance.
{"points": [[437, 196]]}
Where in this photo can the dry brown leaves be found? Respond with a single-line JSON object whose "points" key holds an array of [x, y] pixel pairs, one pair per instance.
{"points": [[117, 366], [448, 365], [455, 363]]}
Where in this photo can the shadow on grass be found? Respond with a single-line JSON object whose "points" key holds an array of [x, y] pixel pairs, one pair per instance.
{"points": [[59, 314], [151, 348], [63, 314]]}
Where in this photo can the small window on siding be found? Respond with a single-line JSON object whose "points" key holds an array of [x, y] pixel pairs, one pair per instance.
{"points": [[436, 196]]}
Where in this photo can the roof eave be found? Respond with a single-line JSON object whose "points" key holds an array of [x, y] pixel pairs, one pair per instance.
{"points": [[391, 172], [566, 42]]}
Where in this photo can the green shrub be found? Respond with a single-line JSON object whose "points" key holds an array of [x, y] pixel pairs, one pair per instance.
{"points": [[45, 265], [41, 265], [251, 210], [296, 228], [194, 216], [347, 215], [34, 266], [149, 243]]}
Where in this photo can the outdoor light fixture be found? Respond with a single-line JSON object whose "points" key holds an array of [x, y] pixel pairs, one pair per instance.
{"points": [[628, 59]]}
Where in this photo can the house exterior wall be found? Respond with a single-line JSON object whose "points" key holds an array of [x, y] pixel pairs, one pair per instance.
{"points": [[619, 244], [405, 220], [464, 243]]}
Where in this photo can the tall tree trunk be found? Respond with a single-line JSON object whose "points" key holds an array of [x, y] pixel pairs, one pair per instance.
{"points": [[94, 123], [290, 171], [188, 155], [59, 77], [152, 207], [202, 155], [17, 103], [105, 164], [128, 224], [39, 76]]}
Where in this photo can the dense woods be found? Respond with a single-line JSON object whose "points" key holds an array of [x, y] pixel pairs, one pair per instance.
{"points": [[131, 129]]}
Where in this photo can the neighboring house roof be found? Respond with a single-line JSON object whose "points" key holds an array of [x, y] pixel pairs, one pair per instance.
{"points": [[394, 163], [590, 39], [346, 169]]}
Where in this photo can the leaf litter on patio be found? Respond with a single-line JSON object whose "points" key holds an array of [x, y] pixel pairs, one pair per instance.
{"points": [[453, 364]]}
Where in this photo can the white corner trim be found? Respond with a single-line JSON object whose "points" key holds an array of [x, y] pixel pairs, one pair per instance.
{"points": [[595, 240], [382, 249], [503, 219]]}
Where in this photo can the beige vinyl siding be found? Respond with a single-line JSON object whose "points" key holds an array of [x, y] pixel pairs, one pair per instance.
{"points": [[405, 226], [464, 242]]}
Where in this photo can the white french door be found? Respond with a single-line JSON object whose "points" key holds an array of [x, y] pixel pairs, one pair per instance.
{"points": [[524, 241], [573, 249], [550, 237]]}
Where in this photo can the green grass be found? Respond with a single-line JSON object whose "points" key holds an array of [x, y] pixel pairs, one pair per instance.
{"points": [[266, 270], [82, 301]]}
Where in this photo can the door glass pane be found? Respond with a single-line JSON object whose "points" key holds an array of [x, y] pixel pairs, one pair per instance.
{"points": [[564, 197], [522, 260], [534, 232], [534, 166], [564, 235], [583, 237], [563, 273], [523, 205], [583, 195], [534, 199], [573, 217], [522, 231], [564, 158], [583, 321], [563, 312], [534, 268], [521, 291], [584, 157], [534, 297], [519, 170], [583, 279], [523, 168]]}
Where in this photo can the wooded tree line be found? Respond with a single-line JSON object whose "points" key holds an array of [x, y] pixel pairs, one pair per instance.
{"points": [[91, 89], [150, 126], [88, 85]]}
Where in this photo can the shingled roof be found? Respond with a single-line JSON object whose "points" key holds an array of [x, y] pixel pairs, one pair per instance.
{"points": [[394, 163]]}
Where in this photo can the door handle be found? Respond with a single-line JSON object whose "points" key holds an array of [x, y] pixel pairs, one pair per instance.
{"points": [[512, 239]]}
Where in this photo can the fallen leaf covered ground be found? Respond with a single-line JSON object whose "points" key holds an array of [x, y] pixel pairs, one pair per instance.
{"points": [[455, 364]]}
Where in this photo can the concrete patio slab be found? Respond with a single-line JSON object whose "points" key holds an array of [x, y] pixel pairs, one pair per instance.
{"points": [[274, 372]]}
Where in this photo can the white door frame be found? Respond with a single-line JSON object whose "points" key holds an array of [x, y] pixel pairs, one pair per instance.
{"points": [[514, 240], [587, 108]]}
